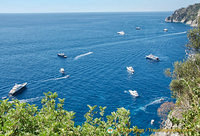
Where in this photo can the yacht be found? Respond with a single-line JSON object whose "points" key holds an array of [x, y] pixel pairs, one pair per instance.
{"points": [[137, 28], [165, 30], [133, 93], [152, 57], [62, 70], [17, 88], [130, 69], [121, 33], [62, 55]]}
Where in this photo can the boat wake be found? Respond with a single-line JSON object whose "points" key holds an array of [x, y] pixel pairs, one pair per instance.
{"points": [[31, 99], [28, 100], [52, 79], [158, 101], [82, 55]]}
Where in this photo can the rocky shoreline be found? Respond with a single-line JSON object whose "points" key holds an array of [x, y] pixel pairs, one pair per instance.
{"points": [[187, 15]]}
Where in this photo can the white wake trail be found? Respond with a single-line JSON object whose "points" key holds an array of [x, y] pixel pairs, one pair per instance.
{"points": [[56, 78], [82, 55]]}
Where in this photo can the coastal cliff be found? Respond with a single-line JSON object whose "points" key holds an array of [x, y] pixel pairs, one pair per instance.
{"points": [[187, 15]]}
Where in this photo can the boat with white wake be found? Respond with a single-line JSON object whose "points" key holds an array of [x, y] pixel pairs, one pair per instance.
{"points": [[17, 88]]}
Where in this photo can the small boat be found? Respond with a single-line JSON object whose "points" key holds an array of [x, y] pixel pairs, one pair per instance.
{"points": [[137, 28], [165, 30], [3, 98], [130, 69], [17, 88], [133, 93], [121, 33], [161, 99], [62, 70], [62, 55], [152, 57], [152, 121]]}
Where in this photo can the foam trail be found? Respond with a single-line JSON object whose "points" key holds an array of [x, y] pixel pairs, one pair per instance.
{"points": [[28, 100], [152, 103], [131, 40], [82, 55], [56, 78], [173, 34], [31, 100]]}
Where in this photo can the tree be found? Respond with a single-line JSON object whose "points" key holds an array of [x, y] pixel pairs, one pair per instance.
{"points": [[23, 119]]}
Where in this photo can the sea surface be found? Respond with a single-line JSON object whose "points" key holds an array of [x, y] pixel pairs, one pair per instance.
{"points": [[97, 60]]}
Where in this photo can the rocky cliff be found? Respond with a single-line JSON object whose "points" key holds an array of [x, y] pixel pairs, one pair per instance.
{"points": [[187, 15]]}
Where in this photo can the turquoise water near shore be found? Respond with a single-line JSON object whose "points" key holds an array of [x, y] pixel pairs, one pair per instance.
{"points": [[97, 60]]}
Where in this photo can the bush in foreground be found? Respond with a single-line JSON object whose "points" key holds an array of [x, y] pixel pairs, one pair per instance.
{"points": [[23, 119]]}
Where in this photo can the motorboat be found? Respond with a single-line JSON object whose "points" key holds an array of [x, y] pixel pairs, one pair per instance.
{"points": [[121, 33], [137, 28], [133, 93], [130, 69], [152, 121], [161, 99], [152, 57], [165, 30], [17, 88], [62, 55], [62, 70]]}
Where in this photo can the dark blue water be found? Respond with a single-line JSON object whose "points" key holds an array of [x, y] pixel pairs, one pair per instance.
{"points": [[29, 44]]}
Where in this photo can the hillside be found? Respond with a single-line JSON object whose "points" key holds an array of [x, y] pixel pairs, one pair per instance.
{"points": [[187, 15]]}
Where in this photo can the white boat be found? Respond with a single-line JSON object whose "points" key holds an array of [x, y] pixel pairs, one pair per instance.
{"points": [[62, 55], [165, 30], [152, 57], [137, 28], [17, 88], [121, 33], [133, 93], [152, 121], [62, 70], [130, 69]]}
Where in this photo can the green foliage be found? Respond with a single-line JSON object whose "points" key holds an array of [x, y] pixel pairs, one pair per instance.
{"points": [[194, 38], [186, 87], [22, 119]]}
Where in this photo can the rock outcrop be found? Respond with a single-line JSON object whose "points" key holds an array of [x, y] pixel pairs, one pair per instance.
{"points": [[189, 15]]}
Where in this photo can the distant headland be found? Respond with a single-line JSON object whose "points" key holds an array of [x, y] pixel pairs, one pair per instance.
{"points": [[187, 15]]}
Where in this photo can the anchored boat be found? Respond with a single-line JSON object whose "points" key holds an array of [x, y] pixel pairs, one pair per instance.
{"points": [[130, 69], [121, 33], [62, 55], [152, 57]]}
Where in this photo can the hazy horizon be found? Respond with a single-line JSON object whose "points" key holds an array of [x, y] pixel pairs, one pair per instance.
{"points": [[90, 6]]}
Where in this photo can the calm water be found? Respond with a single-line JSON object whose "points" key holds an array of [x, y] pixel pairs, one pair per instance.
{"points": [[29, 44]]}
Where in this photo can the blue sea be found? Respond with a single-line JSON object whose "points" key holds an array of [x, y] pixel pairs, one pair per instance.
{"points": [[97, 60]]}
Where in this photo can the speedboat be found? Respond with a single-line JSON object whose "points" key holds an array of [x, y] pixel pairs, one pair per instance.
{"points": [[130, 69], [137, 28], [133, 93], [121, 33], [17, 88], [62, 70], [152, 121], [165, 30], [62, 55], [152, 57]]}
